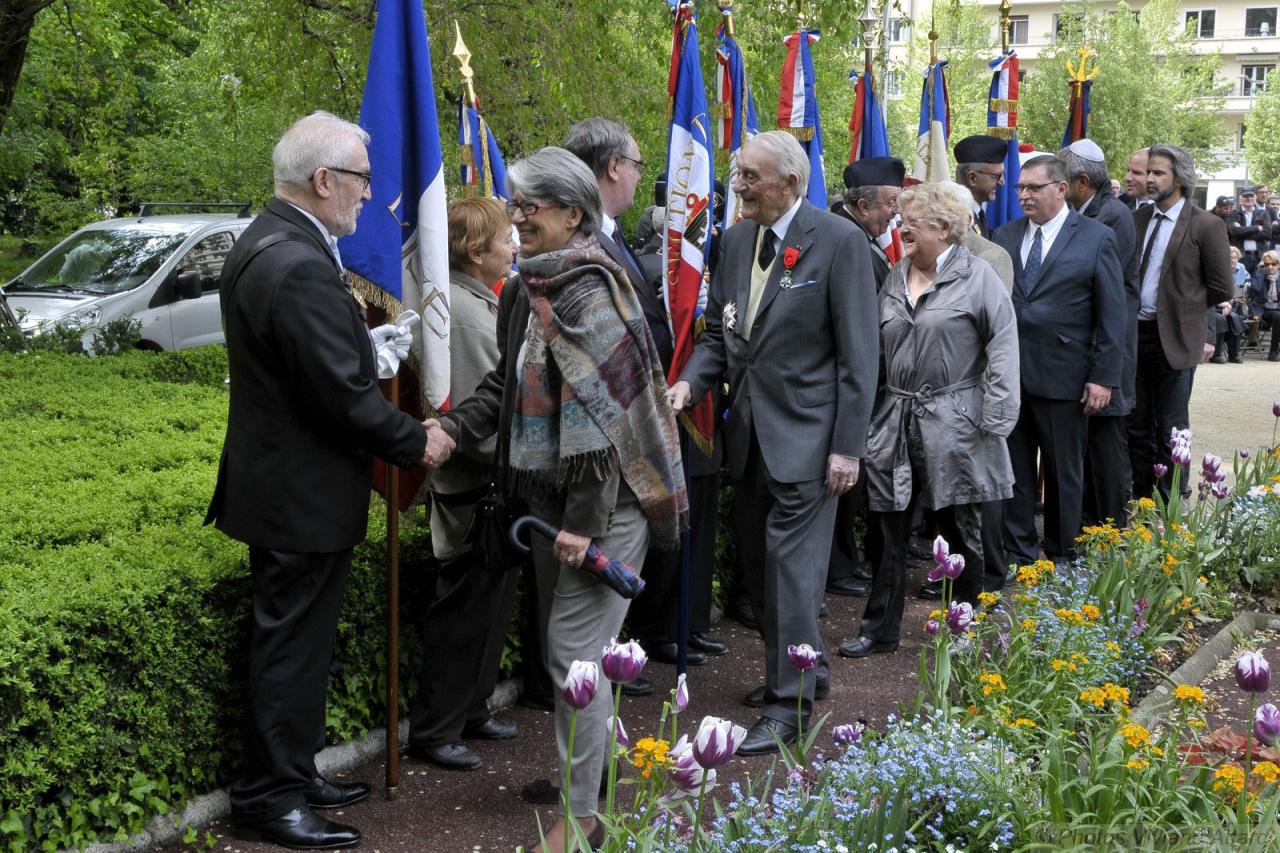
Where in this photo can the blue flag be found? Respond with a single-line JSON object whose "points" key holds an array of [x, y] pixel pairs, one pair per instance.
{"points": [[1002, 122], [482, 164], [798, 109], [737, 113], [399, 252], [867, 134]]}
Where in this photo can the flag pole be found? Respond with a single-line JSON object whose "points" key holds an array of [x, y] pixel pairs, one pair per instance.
{"points": [[393, 616], [1005, 8], [466, 152]]}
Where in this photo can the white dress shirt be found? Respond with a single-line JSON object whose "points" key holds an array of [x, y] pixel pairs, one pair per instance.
{"points": [[1048, 233], [1151, 279]]}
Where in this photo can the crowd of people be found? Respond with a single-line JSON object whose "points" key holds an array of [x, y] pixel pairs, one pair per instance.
{"points": [[947, 393]]}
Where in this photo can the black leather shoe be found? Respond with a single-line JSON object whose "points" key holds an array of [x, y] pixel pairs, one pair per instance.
{"points": [[917, 551], [701, 642], [666, 653], [824, 611], [638, 687], [759, 739], [741, 612], [490, 729], [323, 794], [863, 646], [1218, 359], [542, 792], [450, 756], [1236, 359], [930, 591], [756, 698], [300, 829], [848, 586]]}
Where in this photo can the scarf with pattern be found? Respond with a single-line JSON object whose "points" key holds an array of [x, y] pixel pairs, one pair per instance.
{"points": [[590, 387]]}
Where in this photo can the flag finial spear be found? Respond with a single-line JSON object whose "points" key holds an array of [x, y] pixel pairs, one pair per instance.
{"points": [[869, 21], [1078, 72], [726, 13], [1005, 8], [463, 56], [933, 32]]}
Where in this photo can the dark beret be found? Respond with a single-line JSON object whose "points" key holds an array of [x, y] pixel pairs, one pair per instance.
{"points": [[875, 172], [981, 149]]}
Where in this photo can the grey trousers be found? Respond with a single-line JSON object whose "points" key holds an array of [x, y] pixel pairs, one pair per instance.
{"points": [[583, 615]]}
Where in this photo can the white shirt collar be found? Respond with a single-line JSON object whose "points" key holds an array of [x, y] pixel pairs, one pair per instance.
{"points": [[324, 232], [780, 227], [1173, 212], [1050, 229], [607, 225], [1087, 202]]}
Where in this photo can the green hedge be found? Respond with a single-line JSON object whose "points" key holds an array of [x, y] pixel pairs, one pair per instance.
{"points": [[123, 621]]}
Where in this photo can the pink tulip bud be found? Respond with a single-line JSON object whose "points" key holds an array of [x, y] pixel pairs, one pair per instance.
{"points": [[685, 772], [579, 686], [932, 627], [846, 734], [959, 616], [616, 725], [1244, 453], [716, 742], [1253, 673], [1266, 724], [622, 662], [1159, 470], [803, 657], [681, 700]]}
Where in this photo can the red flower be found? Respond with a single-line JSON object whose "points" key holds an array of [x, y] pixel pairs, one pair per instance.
{"points": [[789, 256]]}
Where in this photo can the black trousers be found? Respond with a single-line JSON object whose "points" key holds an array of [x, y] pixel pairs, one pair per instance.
{"points": [[296, 602], [536, 684], [652, 615], [704, 514], [960, 525], [1106, 470], [995, 569], [463, 633], [1056, 431], [844, 561], [1161, 404]]}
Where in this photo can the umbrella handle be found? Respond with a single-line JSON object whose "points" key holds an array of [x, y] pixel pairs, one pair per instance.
{"points": [[537, 525]]}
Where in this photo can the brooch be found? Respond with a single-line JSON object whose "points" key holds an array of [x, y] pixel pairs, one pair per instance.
{"points": [[730, 316]]}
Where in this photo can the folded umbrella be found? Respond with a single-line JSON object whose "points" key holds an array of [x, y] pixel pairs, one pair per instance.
{"points": [[615, 574]]}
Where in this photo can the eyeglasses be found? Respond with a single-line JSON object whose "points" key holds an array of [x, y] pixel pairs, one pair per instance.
{"points": [[915, 224], [528, 208], [1033, 188], [1270, 264], [639, 164], [364, 177], [997, 175]]}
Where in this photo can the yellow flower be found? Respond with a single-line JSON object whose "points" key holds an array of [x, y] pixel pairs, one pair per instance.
{"points": [[1116, 693], [986, 599], [1029, 625], [1276, 478], [1196, 723], [1024, 723], [1204, 580], [1136, 735], [1145, 533], [1137, 764], [973, 710], [648, 754], [1090, 612], [1229, 777], [1155, 750], [1071, 617], [1059, 665], [1044, 565], [1114, 647], [938, 614], [1095, 696], [1169, 562], [1146, 504], [1082, 658], [991, 682], [1189, 693], [1028, 576], [1186, 603], [1267, 771]]}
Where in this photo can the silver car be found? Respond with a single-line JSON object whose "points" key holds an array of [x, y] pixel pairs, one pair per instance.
{"points": [[161, 269]]}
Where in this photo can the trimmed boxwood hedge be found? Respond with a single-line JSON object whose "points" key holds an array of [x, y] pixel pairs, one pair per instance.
{"points": [[123, 621]]}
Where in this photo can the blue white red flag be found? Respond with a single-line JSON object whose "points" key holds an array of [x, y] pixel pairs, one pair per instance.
{"points": [[686, 239], [482, 164], [933, 161], [868, 136], [1002, 122], [798, 109], [1078, 121], [736, 108]]}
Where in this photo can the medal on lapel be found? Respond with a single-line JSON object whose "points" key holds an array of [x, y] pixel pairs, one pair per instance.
{"points": [[790, 255]]}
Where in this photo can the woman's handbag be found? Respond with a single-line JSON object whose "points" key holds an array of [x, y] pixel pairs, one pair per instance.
{"points": [[487, 534]]}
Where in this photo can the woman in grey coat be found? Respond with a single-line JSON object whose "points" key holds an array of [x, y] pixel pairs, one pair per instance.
{"points": [[950, 346]]}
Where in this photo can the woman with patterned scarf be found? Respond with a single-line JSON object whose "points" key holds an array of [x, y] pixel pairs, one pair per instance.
{"points": [[593, 445]]}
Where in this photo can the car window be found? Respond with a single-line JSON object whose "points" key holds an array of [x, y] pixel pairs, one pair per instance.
{"points": [[102, 262], [207, 256]]}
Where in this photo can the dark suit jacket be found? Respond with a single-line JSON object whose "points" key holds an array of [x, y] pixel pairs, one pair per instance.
{"points": [[306, 415], [1071, 321], [880, 265], [1258, 292], [806, 379], [646, 288], [1110, 211], [1195, 276], [1258, 230]]}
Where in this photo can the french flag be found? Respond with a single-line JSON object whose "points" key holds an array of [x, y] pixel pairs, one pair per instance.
{"points": [[933, 162], [798, 109]]}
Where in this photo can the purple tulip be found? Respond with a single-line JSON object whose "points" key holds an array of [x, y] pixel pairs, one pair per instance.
{"points": [[1275, 408], [803, 657], [622, 662], [1140, 606], [954, 566], [1181, 454], [1266, 724], [1139, 625], [716, 742], [1220, 491], [682, 694], [940, 550], [932, 627], [1253, 673], [1210, 464], [685, 773], [1244, 453], [1159, 470], [579, 686], [846, 734], [616, 724], [959, 616]]}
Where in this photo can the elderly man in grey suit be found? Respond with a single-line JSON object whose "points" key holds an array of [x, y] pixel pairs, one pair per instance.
{"points": [[791, 324]]}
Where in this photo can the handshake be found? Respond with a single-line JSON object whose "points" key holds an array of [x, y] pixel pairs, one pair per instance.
{"points": [[439, 444]]}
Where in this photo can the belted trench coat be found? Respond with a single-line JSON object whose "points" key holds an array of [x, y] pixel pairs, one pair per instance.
{"points": [[951, 390]]}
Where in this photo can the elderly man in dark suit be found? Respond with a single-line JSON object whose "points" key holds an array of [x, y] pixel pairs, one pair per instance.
{"points": [[1185, 269], [1107, 478], [306, 419], [791, 324], [980, 169], [1069, 300]]}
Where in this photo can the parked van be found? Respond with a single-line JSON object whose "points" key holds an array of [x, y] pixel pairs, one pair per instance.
{"points": [[162, 269]]}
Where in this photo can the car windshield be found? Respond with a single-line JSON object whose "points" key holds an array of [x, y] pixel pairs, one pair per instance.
{"points": [[101, 262]]}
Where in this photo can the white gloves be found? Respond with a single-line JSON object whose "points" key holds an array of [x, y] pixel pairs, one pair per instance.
{"points": [[391, 343]]}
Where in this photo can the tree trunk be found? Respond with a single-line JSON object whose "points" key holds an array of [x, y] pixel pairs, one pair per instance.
{"points": [[16, 19]]}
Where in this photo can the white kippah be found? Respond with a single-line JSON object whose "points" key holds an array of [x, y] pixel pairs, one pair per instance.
{"points": [[1088, 149]]}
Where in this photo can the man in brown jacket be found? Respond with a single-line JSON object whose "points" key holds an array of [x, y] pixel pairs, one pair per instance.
{"points": [[1185, 269]]}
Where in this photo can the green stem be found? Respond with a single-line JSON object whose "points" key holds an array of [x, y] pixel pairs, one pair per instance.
{"points": [[613, 750], [800, 721], [697, 819], [568, 780], [1248, 761]]}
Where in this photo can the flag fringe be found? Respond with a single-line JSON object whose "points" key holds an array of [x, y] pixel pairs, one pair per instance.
{"points": [[804, 134], [1003, 105], [1005, 133], [699, 440]]}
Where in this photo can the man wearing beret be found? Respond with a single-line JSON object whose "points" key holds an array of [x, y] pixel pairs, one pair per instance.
{"points": [[980, 168], [870, 201]]}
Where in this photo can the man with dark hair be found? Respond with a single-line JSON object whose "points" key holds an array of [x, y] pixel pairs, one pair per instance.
{"points": [[1185, 270], [1106, 459], [980, 168], [1069, 301]]}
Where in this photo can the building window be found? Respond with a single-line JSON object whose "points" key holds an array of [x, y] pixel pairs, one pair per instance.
{"points": [[1018, 29], [1240, 141], [1066, 27], [1200, 22], [1253, 79], [893, 84], [899, 30], [1022, 78], [1260, 22]]}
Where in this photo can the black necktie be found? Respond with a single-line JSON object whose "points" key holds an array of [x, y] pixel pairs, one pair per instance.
{"points": [[1151, 242], [982, 221], [1031, 271], [767, 250]]}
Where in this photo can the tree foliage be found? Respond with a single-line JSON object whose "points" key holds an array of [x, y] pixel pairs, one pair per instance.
{"points": [[1262, 138]]}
